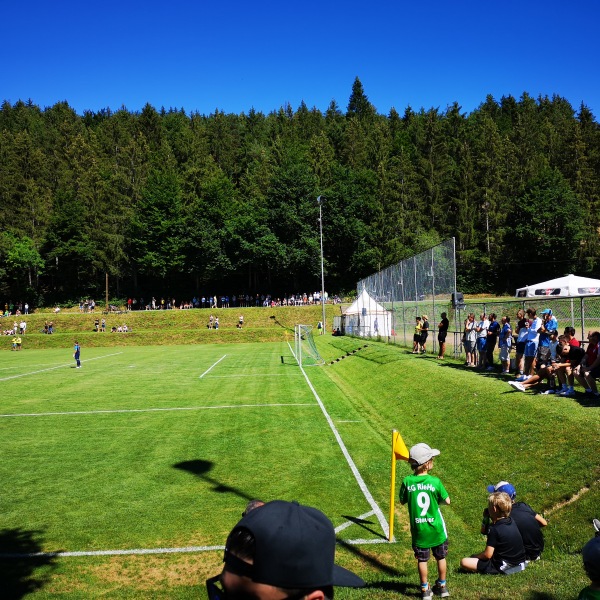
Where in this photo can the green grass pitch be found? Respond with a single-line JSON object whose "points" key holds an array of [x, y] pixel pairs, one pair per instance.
{"points": [[158, 449]]}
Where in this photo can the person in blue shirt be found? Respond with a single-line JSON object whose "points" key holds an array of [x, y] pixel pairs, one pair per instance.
{"points": [[77, 354]]}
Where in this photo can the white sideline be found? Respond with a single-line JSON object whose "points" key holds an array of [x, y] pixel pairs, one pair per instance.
{"points": [[172, 550], [212, 366], [143, 410], [361, 483], [59, 367]]}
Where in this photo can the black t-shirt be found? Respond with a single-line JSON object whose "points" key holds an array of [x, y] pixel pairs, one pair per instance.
{"points": [[507, 542], [444, 325], [531, 532], [576, 354]]}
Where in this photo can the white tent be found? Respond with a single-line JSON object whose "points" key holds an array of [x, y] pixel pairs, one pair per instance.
{"points": [[562, 287], [366, 317]]}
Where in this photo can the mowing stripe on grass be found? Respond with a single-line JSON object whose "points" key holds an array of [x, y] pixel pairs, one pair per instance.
{"points": [[58, 367], [212, 367], [361, 483], [144, 410]]}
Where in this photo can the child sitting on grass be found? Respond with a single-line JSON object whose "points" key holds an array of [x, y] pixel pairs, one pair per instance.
{"points": [[423, 493], [504, 551], [528, 521]]}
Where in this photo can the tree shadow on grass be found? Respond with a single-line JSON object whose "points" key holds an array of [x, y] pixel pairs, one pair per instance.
{"points": [[201, 468], [20, 558]]}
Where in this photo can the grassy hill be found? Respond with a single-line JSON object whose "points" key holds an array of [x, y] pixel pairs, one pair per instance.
{"points": [[168, 327]]}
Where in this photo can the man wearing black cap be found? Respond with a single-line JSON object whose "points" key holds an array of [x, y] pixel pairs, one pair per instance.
{"points": [[279, 551]]}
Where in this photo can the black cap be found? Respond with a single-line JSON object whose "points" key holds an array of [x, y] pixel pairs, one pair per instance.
{"points": [[295, 548]]}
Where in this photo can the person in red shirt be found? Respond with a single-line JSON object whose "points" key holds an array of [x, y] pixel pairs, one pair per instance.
{"points": [[589, 368]]}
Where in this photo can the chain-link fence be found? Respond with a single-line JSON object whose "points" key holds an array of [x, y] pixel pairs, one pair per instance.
{"points": [[420, 285], [425, 284]]}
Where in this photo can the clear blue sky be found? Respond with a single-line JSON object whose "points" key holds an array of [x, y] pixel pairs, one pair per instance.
{"points": [[232, 55]]}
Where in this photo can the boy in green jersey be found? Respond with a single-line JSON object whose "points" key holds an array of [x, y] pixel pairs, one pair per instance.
{"points": [[424, 493]]}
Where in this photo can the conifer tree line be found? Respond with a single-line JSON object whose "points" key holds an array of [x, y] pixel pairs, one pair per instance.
{"points": [[179, 204]]}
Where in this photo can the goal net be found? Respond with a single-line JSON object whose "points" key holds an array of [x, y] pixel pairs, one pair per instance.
{"points": [[307, 354]]}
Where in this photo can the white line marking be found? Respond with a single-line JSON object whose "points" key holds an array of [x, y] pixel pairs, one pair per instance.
{"points": [[212, 367], [363, 486], [143, 410], [59, 367], [249, 375], [346, 421], [150, 550]]}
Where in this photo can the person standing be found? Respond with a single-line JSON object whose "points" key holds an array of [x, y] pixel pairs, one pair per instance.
{"points": [[492, 338], [443, 326], [77, 354], [423, 493], [470, 340], [482, 329], [424, 332]]}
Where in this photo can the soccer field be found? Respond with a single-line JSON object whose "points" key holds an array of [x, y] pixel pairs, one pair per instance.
{"points": [[123, 478], [158, 449]]}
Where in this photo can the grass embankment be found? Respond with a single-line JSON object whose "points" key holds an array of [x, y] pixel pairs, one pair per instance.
{"points": [[169, 327]]}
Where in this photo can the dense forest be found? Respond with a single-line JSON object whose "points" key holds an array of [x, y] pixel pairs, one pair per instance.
{"points": [[167, 202]]}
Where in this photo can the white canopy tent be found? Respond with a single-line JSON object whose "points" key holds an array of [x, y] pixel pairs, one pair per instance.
{"points": [[568, 286], [366, 317]]}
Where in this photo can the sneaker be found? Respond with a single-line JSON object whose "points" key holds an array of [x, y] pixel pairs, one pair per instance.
{"points": [[440, 590], [521, 378], [588, 390], [426, 594], [517, 385], [549, 392], [490, 368], [567, 393]]}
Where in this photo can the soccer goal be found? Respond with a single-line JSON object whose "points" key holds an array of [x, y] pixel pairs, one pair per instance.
{"points": [[307, 354]]}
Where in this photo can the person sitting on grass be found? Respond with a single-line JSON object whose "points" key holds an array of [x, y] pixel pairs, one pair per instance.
{"points": [[591, 564], [545, 370], [504, 552], [528, 521], [568, 359], [589, 368]]}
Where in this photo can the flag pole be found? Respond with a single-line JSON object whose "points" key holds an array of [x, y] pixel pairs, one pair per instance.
{"points": [[393, 485]]}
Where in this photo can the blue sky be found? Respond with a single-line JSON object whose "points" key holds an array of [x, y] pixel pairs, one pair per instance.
{"points": [[234, 56]]}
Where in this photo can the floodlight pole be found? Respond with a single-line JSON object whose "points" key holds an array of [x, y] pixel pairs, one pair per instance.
{"points": [[320, 203]]}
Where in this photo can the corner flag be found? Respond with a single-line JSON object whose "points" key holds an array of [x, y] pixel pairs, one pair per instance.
{"points": [[399, 452]]}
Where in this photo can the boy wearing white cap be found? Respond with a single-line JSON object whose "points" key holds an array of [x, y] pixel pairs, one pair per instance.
{"points": [[424, 493]]}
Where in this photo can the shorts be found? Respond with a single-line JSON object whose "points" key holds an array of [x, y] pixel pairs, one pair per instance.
{"points": [[520, 346], [469, 346], [417, 337], [423, 337], [481, 344], [487, 567], [543, 354], [504, 353], [530, 349], [439, 552], [442, 337]]}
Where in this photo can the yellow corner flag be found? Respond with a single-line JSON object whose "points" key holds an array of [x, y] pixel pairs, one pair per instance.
{"points": [[399, 452]]}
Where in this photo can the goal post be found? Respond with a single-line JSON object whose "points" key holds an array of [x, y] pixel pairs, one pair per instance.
{"points": [[305, 348]]}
